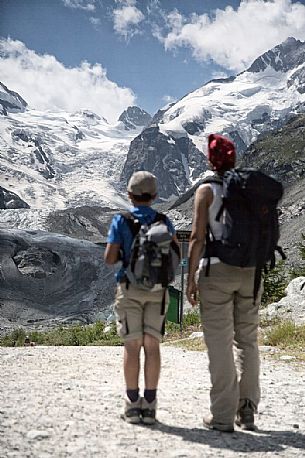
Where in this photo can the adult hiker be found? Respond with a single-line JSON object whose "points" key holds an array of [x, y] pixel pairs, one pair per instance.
{"points": [[142, 296], [229, 310]]}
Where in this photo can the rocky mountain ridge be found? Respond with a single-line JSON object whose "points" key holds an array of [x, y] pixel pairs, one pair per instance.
{"points": [[174, 161], [10, 101], [9, 199], [283, 57], [134, 117]]}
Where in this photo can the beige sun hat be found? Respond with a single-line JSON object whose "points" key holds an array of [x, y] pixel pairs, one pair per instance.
{"points": [[142, 182]]}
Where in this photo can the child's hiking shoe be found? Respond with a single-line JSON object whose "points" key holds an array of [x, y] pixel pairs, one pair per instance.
{"points": [[148, 410], [245, 416], [209, 423], [132, 412]]}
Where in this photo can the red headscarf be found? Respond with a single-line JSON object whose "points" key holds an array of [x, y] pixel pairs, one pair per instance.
{"points": [[221, 152]]}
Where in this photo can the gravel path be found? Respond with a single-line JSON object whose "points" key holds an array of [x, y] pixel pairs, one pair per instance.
{"points": [[66, 401]]}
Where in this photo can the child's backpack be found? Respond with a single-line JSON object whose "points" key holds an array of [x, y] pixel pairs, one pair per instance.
{"points": [[154, 255], [250, 221]]}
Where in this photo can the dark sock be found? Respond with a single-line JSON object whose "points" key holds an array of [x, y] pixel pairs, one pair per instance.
{"points": [[150, 395], [133, 395]]}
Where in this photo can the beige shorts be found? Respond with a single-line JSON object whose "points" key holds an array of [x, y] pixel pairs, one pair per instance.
{"points": [[140, 312]]}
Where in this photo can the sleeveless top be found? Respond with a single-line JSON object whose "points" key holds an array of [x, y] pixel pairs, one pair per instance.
{"points": [[215, 226]]}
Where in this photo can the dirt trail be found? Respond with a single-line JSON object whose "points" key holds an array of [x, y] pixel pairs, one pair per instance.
{"points": [[66, 401]]}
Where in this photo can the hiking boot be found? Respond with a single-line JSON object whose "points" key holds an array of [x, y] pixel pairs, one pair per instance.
{"points": [[149, 411], [132, 413], [210, 423], [245, 416]]}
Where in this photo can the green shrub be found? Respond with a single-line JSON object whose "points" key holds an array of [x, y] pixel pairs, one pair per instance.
{"points": [[192, 318], [275, 283], [277, 279], [299, 270], [14, 339]]}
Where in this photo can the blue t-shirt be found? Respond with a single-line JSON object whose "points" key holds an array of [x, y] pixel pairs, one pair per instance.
{"points": [[119, 231]]}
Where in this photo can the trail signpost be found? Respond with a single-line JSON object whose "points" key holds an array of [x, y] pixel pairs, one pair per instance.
{"points": [[183, 237]]}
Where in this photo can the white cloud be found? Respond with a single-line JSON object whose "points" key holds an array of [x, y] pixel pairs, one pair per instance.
{"points": [[168, 99], [234, 38], [87, 5], [95, 21], [126, 2], [126, 19], [219, 75], [47, 84]]}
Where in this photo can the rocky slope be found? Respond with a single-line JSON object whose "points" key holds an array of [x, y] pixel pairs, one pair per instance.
{"points": [[48, 279], [9, 199], [281, 153]]}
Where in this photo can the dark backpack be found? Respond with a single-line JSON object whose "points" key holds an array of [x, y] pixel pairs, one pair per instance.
{"points": [[154, 255], [250, 221]]}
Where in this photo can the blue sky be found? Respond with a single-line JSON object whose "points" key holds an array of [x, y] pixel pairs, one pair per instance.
{"points": [[105, 55]]}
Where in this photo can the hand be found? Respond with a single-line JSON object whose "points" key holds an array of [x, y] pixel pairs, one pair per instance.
{"points": [[191, 292]]}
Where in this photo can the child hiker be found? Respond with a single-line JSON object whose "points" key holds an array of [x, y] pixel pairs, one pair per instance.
{"points": [[140, 312]]}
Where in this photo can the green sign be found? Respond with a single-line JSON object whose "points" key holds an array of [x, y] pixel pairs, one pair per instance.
{"points": [[173, 311]]}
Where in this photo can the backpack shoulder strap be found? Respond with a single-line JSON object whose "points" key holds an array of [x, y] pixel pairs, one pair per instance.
{"points": [[212, 179], [133, 224], [159, 217]]}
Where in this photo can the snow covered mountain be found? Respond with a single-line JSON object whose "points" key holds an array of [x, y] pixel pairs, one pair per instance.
{"points": [[243, 107], [60, 160], [54, 161], [257, 100]]}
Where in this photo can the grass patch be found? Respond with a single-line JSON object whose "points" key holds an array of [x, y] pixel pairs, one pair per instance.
{"points": [[191, 323], [283, 335], [98, 333], [286, 335], [196, 344]]}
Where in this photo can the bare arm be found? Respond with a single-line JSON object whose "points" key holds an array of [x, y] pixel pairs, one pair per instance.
{"points": [[203, 199], [175, 239], [112, 253]]}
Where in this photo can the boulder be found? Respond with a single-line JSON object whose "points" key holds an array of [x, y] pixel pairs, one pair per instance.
{"points": [[292, 306]]}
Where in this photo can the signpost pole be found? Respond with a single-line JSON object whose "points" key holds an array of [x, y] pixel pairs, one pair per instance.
{"points": [[183, 245], [183, 237]]}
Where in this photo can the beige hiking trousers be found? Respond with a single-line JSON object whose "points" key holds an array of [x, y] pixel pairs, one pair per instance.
{"points": [[230, 321]]}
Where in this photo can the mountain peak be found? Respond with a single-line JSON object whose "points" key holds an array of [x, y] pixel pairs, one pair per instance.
{"points": [[10, 101], [287, 55], [134, 117]]}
